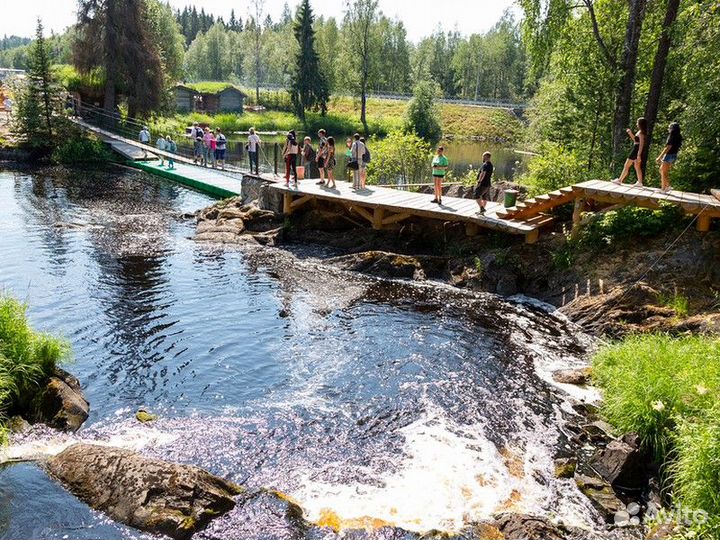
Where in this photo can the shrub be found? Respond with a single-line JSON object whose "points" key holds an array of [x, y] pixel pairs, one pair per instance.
{"points": [[553, 168], [79, 148], [627, 223], [26, 356], [399, 158], [423, 116]]}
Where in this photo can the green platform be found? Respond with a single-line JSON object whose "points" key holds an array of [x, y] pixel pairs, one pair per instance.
{"points": [[213, 182]]}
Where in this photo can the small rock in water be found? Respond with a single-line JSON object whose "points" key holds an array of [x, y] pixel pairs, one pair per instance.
{"points": [[579, 376], [144, 416], [565, 467], [61, 403]]}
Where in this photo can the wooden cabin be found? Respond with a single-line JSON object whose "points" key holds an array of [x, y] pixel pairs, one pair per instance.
{"points": [[228, 99]]}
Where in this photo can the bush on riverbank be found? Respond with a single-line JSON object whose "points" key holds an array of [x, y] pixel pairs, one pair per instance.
{"points": [[27, 357], [668, 391], [79, 148]]}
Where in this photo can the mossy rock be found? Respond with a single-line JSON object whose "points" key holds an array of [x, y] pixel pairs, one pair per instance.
{"points": [[144, 416]]}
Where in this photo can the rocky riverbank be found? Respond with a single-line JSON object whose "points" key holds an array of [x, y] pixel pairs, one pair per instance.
{"points": [[629, 288]]}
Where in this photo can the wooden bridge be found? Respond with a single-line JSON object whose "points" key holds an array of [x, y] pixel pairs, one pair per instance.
{"points": [[384, 207]]}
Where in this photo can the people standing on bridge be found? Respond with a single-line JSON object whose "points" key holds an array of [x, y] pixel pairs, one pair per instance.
{"points": [[635, 158], [357, 151], [322, 155], [206, 147], [161, 145], [363, 164], [144, 138], [253, 148], [290, 152], [439, 170], [330, 162], [484, 182], [212, 148], [669, 155], [197, 134], [221, 148], [171, 147], [308, 157], [348, 154]]}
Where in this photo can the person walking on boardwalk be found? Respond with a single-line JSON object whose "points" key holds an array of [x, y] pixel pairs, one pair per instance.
{"points": [[161, 145], [171, 148], [363, 164], [669, 155], [330, 163], [212, 147], [357, 151], [253, 148], [322, 155], [196, 134], [635, 158], [290, 152], [221, 141], [484, 181], [439, 170], [144, 138], [308, 157]]}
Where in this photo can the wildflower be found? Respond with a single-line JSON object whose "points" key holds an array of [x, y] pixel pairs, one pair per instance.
{"points": [[659, 406]]}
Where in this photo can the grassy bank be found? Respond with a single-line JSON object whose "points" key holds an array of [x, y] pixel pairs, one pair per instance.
{"points": [[668, 391], [384, 116], [27, 357]]}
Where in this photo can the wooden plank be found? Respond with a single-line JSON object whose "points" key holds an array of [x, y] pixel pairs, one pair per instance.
{"points": [[297, 203], [361, 211], [715, 193], [395, 218]]}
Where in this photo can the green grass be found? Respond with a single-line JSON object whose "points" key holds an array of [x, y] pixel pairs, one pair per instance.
{"points": [[210, 87], [668, 391], [679, 303], [27, 357]]}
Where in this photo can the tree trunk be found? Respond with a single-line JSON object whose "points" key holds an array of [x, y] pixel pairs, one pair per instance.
{"points": [[658, 74], [111, 43], [628, 71], [363, 108]]}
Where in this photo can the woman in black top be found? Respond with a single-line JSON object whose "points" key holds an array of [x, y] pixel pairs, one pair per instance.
{"points": [[669, 154], [635, 157]]}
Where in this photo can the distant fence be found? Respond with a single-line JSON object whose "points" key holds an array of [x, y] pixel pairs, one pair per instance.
{"points": [[480, 102]]}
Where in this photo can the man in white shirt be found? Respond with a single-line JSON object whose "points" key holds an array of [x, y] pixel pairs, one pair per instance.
{"points": [[357, 151], [253, 148], [144, 138]]}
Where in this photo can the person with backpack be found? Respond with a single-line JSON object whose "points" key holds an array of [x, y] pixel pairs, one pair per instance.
{"points": [[171, 148], [308, 157], [363, 164], [290, 152], [221, 141], [357, 151], [322, 155], [196, 135]]}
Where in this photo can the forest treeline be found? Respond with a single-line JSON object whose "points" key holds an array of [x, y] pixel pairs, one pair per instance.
{"points": [[588, 68]]}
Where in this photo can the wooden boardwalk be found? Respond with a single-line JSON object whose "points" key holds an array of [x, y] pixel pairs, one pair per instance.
{"points": [[384, 207]]}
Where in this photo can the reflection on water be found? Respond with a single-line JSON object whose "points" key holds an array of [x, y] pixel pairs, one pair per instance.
{"points": [[416, 405]]}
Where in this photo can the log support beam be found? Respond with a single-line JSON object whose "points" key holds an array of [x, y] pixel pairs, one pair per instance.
{"points": [[532, 236], [471, 229], [287, 203], [377, 221], [703, 222]]}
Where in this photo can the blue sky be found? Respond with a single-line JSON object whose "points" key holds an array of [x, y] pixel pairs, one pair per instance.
{"points": [[421, 17]]}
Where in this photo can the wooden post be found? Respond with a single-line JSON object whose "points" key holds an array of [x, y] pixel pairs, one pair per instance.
{"points": [[703, 222], [577, 214], [471, 229], [378, 214], [532, 236], [287, 203]]}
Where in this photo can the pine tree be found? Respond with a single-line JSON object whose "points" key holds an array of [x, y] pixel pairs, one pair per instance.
{"points": [[309, 87], [39, 101]]}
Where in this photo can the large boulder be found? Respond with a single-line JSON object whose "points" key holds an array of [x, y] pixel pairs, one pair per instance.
{"points": [[526, 527], [60, 403], [621, 463], [148, 494]]}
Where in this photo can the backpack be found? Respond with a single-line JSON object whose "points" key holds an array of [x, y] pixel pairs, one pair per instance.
{"points": [[366, 156]]}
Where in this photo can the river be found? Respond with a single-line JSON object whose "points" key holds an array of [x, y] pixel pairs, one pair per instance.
{"points": [[417, 404]]}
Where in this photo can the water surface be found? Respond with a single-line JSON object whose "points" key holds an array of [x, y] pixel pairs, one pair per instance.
{"points": [[416, 404]]}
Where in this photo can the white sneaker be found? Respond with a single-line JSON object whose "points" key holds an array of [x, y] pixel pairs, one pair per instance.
{"points": [[616, 181], [667, 189], [638, 184]]}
